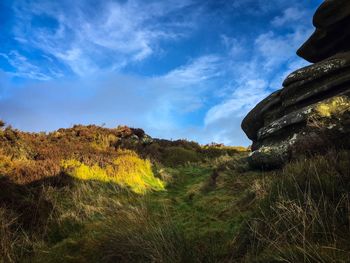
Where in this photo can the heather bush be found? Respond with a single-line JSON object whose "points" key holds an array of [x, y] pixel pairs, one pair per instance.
{"points": [[176, 155], [217, 150]]}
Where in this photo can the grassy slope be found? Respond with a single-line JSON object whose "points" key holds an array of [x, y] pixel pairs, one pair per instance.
{"points": [[297, 214], [204, 218], [300, 213]]}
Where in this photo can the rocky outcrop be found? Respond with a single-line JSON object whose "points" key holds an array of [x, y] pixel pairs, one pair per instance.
{"points": [[332, 35], [313, 107]]}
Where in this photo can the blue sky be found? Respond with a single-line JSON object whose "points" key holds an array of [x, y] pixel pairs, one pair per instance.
{"points": [[178, 69]]}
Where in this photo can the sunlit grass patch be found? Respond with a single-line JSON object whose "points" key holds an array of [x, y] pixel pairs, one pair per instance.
{"points": [[128, 169]]}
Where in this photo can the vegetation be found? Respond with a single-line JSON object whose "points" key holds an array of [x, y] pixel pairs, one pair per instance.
{"points": [[127, 170], [92, 194], [306, 215], [335, 106]]}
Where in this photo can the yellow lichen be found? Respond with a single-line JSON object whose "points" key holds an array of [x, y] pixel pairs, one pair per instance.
{"points": [[333, 107]]}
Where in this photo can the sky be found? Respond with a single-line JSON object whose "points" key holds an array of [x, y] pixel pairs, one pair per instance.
{"points": [[179, 69]]}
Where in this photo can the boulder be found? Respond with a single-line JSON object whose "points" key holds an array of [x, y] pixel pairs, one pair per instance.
{"points": [[312, 110], [332, 21], [305, 130], [254, 120], [331, 12]]}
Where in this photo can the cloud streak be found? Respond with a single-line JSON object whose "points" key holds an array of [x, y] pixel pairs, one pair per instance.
{"points": [[179, 69], [24, 68], [272, 57], [90, 39], [154, 103]]}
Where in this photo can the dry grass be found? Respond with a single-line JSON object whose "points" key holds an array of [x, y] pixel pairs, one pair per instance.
{"points": [[300, 213], [7, 237], [306, 215], [141, 238]]}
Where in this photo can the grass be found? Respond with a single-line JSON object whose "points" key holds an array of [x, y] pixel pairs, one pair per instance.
{"points": [[188, 222], [306, 215], [7, 236], [297, 214], [90, 221], [127, 170], [88, 203]]}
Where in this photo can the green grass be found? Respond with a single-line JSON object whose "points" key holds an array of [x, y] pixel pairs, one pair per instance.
{"points": [[297, 214], [196, 208], [92, 221]]}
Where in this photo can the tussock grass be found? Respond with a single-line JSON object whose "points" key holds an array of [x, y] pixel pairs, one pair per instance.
{"points": [[306, 215], [141, 238], [7, 237], [212, 207], [297, 214], [95, 222]]}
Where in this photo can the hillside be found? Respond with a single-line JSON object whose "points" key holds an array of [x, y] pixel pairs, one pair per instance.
{"points": [[92, 194]]}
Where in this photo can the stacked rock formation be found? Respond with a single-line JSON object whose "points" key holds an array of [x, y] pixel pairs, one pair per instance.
{"points": [[312, 110]]}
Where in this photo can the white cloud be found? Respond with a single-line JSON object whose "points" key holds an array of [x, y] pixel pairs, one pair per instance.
{"points": [[106, 36], [279, 49], [266, 62], [243, 98], [259, 7], [182, 91], [24, 68], [234, 46], [94, 41], [290, 16], [198, 70], [77, 61], [156, 104]]}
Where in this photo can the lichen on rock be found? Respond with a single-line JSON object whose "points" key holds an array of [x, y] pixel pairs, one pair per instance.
{"points": [[313, 107], [333, 107]]}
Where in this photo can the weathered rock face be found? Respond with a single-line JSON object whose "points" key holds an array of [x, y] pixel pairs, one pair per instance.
{"points": [[332, 35], [313, 107]]}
